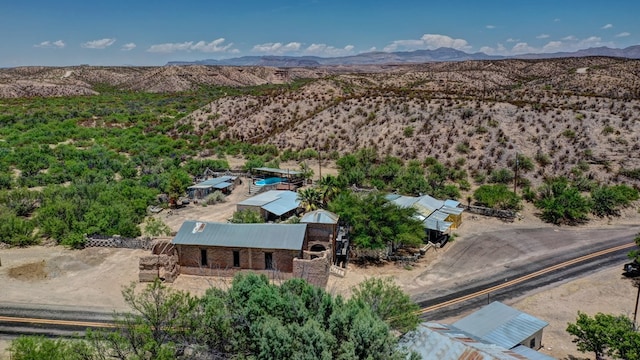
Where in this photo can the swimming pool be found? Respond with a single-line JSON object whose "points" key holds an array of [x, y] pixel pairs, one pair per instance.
{"points": [[270, 181]]}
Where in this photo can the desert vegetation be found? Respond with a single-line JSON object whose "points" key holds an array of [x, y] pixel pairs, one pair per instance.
{"points": [[91, 160]]}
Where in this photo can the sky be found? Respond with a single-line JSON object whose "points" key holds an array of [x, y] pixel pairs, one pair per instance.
{"points": [[144, 32]]}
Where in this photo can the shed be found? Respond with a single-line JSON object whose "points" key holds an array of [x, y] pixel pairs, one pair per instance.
{"points": [[272, 204], [503, 325], [208, 245], [202, 189]]}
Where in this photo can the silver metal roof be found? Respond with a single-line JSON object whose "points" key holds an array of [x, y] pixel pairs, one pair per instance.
{"points": [[277, 202], [451, 210], [255, 236], [437, 221], [435, 341], [277, 171], [530, 353], [501, 324], [215, 182], [320, 217]]}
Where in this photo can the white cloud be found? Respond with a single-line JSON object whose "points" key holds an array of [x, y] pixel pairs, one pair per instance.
{"points": [[490, 26], [428, 41], [498, 50], [512, 40], [327, 50], [552, 46], [58, 44], [128, 47], [277, 48], [623, 34], [522, 48], [372, 49], [569, 38], [608, 26], [202, 46], [98, 44], [543, 36]]}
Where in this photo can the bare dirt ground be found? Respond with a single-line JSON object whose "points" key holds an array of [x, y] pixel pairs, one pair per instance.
{"points": [[94, 277]]}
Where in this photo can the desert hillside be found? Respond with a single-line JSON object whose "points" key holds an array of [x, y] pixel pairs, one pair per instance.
{"points": [[576, 116]]}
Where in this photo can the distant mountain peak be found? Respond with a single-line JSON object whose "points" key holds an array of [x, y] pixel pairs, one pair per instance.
{"points": [[404, 57]]}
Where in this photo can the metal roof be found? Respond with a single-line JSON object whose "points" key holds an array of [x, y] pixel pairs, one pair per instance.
{"points": [[255, 236], [451, 203], [435, 341], [530, 353], [451, 210], [437, 221], [277, 202], [215, 182], [402, 201], [320, 217], [501, 324], [277, 171]]}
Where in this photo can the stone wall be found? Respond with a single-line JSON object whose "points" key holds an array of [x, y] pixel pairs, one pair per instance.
{"points": [[314, 270], [117, 241], [163, 266]]}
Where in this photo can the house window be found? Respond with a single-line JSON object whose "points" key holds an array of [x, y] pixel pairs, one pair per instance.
{"points": [[203, 257], [268, 261], [532, 343], [236, 259]]}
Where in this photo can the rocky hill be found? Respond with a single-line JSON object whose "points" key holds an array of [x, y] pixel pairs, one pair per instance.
{"points": [[578, 117]]}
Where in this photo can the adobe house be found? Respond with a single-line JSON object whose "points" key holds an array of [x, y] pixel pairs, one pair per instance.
{"points": [[205, 248]]}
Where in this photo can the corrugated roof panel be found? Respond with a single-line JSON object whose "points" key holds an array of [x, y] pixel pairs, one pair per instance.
{"points": [[222, 185], [264, 198], [429, 203], [437, 221], [451, 210], [531, 354], [404, 201], [451, 203], [320, 217], [256, 236], [443, 342], [501, 324]]}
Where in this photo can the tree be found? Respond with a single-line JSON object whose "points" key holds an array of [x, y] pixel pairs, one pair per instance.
{"points": [[561, 203], [310, 199], [330, 187], [608, 199], [497, 196], [605, 334], [156, 227], [388, 302], [376, 222], [247, 216], [41, 348]]}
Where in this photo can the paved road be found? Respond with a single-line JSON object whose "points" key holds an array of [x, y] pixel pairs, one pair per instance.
{"points": [[484, 260]]}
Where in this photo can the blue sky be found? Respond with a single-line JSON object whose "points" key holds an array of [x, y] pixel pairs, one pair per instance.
{"points": [[141, 32]]}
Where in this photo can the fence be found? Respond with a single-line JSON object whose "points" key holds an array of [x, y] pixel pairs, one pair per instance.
{"points": [[118, 242], [507, 215]]}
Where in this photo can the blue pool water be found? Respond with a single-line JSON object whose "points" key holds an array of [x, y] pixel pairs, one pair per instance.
{"points": [[269, 181]]}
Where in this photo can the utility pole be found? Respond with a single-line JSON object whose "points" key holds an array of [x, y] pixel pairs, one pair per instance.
{"points": [[635, 311], [319, 164], [515, 178]]}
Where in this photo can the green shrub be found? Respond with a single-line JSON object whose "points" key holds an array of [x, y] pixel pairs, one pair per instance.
{"points": [[497, 197]]}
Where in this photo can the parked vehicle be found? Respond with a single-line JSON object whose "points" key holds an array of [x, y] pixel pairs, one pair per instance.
{"points": [[632, 269]]}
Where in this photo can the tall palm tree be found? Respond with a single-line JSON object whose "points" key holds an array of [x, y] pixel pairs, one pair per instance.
{"points": [[310, 199], [329, 188]]}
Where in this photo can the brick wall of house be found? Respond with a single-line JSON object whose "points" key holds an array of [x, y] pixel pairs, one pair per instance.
{"points": [[315, 271], [319, 234], [222, 258]]}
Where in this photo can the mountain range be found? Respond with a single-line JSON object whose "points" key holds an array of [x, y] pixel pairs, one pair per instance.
{"points": [[405, 57]]}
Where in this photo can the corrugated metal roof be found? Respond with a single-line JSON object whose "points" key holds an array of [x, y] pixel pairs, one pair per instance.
{"points": [[451, 210], [437, 221], [404, 201], [435, 341], [214, 181], [320, 217], [451, 203], [429, 203], [530, 353], [278, 171], [256, 236], [501, 324], [277, 202]]}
